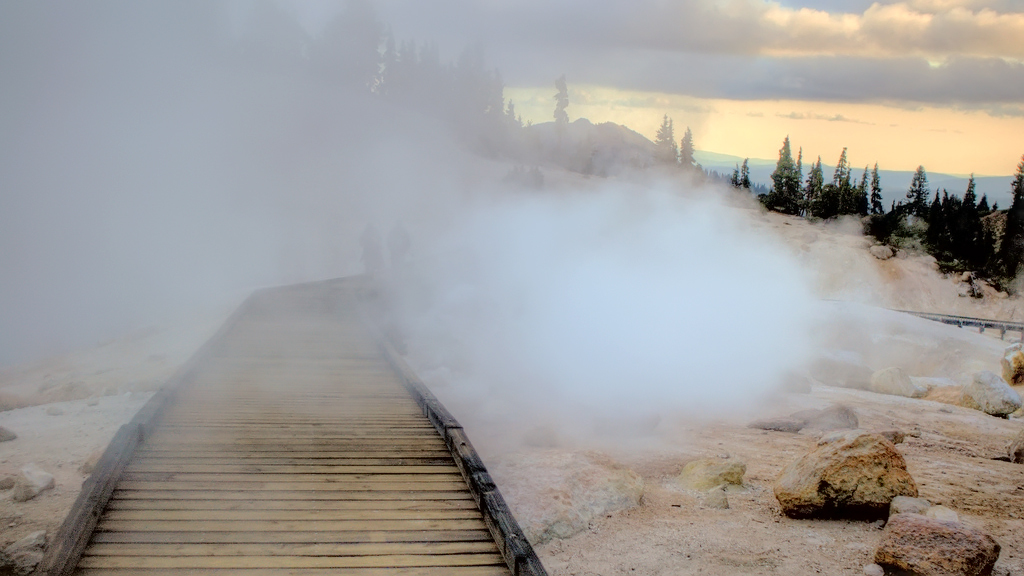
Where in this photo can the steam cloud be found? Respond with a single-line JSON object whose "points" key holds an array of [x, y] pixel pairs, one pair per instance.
{"points": [[621, 303]]}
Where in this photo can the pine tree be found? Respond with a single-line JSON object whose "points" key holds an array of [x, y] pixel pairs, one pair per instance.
{"points": [[561, 102], [665, 143], [735, 180], [1011, 250], [936, 223], [745, 174], [983, 209], [785, 193], [862, 194], [813, 188], [876, 192], [686, 158], [918, 193]]}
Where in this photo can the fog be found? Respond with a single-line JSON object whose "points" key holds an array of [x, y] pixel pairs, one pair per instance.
{"points": [[161, 158]]}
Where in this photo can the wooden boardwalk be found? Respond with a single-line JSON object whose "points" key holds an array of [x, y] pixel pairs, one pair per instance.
{"points": [[295, 445]]}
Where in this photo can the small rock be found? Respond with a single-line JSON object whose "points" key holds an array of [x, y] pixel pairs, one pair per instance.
{"points": [[31, 483], [6, 435], [778, 424], [895, 382], [991, 394], [942, 513], [894, 436], [92, 402], [945, 410], [90, 462], [873, 570], [708, 473], [843, 369], [1013, 364], [908, 505], [7, 482], [717, 499], [24, 555], [881, 252], [835, 417], [55, 411], [1016, 449], [920, 545], [855, 477]]}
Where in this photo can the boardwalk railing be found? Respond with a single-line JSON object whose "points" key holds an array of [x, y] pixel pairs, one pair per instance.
{"points": [[981, 324]]}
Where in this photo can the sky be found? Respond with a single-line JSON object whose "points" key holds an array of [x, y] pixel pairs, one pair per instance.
{"points": [[903, 83]]}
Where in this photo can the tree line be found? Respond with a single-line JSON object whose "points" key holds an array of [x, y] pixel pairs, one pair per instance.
{"points": [[963, 233]]}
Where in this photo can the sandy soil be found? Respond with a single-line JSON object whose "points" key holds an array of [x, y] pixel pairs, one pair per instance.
{"points": [[671, 532]]}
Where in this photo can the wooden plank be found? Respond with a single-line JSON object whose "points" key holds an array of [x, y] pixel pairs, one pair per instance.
{"points": [[293, 537], [214, 562], [290, 515], [143, 504], [311, 495], [376, 485], [296, 477], [391, 571], [347, 469], [296, 549], [277, 526]]}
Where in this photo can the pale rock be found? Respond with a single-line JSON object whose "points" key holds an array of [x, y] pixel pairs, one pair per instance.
{"points": [[834, 417], [895, 382], [1013, 364], [556, 494], [857, 476], [873, 570], [881, 252], [908, 505], [7, 435], [991, 394], [1016, 449], [717, 498], [942, 513], [24, 555], [90, 462], [842, 369], [7, 481], [930, 383], [916, 544], [55, 411], [778, 424], [32, 481], [708, 473]]}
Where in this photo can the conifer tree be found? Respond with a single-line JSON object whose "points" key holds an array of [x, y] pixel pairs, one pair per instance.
{"points": [[983, 209], [876, 192], [686, 158], [813, 188], [735, 180], [745, 174], [784, 195], [1011, 250], [917, 194], [561, 102], [862, 194], [665, 143]]}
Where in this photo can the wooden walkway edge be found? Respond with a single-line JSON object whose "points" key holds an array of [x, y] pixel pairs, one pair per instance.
{"points": [[153, 452]]}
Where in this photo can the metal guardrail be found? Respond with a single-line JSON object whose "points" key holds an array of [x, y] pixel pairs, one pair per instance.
{"points": [[981, 324]]}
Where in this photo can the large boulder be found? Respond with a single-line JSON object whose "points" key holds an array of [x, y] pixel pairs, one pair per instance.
{"points": [[842, 369], [556, 494], [895, 382], [24, 555], [1016, 448], [922, 546], [708, 473], [32, 481], [856, 475], [991, 394], [1013, 364]]}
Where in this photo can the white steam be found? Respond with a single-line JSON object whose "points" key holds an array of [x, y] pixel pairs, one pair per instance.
{"points": [[625, 302]]}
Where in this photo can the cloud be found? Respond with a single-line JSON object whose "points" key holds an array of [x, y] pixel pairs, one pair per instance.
{"points": [[825, 117]]}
